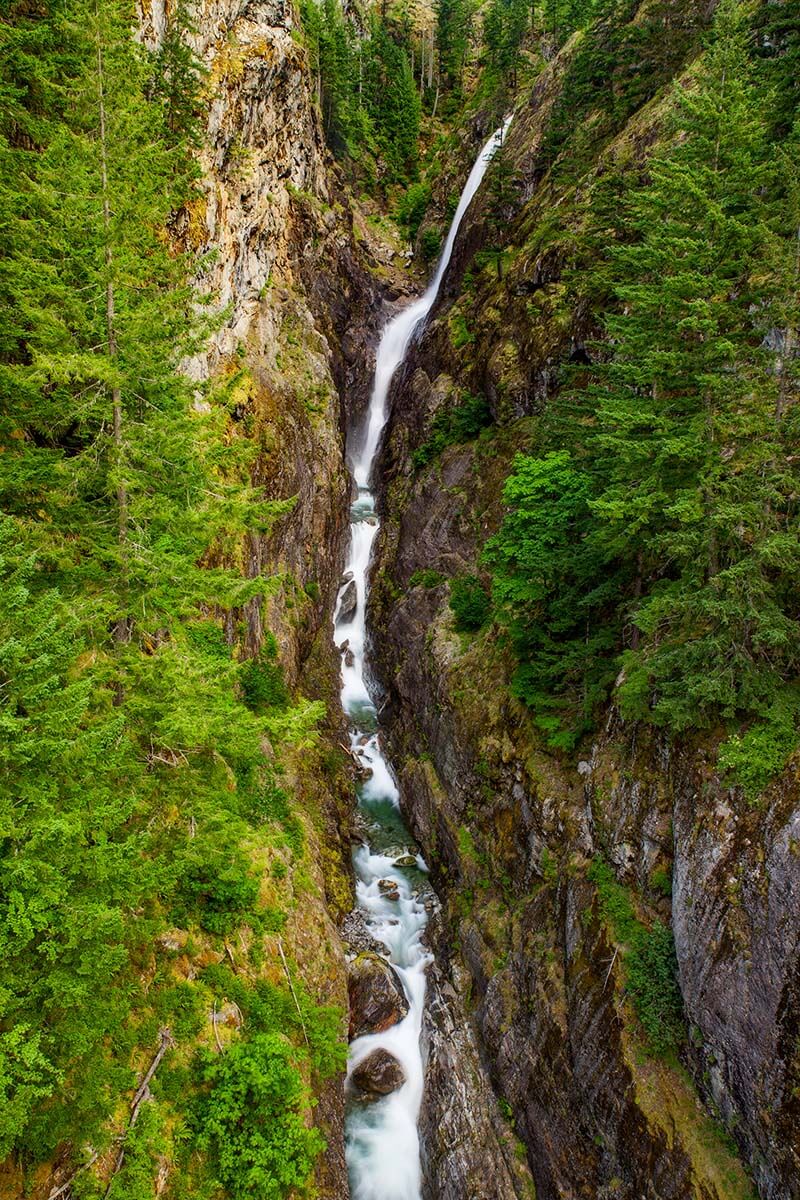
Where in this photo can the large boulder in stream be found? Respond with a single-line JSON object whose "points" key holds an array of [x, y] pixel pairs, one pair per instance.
{"points": [[377, 1075], [377, 997], [348, 602]]}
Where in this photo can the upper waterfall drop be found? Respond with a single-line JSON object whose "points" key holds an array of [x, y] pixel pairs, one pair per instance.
{"points": [[398, 333], [383, 1152]]}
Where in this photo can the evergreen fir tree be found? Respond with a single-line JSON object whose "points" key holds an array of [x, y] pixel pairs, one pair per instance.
{"points": [[452, 40], [684, 412]]}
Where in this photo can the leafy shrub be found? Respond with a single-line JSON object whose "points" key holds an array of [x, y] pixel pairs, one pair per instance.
{"points": [[469, 603], [262, 681], [411, 208], [217, 888], [755, 757], [208, 637], [276, 806], [145, 1144], [430, 244], [661, 881], [26, 1077], [459, 424], [427, 578], [183, 1009], [460, 335], [252, 1121], [268, 1008], [651, 968]]}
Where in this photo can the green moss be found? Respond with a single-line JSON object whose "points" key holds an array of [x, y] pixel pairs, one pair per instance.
{"points": [[469, 603], [549, 868], [651, 968], [262, 680], [426, 578], [460, 335]]}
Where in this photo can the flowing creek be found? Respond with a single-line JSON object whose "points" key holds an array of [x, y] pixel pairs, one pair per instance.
{"points": [[383, 1152]]}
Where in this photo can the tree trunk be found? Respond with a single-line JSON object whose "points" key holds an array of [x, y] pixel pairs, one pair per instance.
{"points": [[790, 342], [121, 625]]}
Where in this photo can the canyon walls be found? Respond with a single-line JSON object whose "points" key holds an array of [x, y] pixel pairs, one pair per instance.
{"points": [[541, 857]]}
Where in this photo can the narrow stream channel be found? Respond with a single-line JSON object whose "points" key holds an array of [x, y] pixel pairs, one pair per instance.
{"points": [[382, 1141]]}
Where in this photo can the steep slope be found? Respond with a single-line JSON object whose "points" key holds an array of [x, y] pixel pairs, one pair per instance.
{"points": [[553, 865], [284, 264], [246, 872]]}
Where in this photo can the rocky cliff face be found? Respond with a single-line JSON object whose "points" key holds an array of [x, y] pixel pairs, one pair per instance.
{"points": [[512, 830], [288, 273]]}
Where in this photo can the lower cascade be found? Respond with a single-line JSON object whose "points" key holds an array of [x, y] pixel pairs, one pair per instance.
{"points": [[392, 891]]}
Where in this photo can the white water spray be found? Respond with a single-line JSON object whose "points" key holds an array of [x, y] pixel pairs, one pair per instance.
{"points": [[382, 1140]]}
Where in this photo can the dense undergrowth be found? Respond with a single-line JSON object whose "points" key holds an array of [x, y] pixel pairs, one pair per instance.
{"points": [[147, 832]]}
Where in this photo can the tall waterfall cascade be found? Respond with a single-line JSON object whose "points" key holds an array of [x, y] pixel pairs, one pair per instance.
{"points": [[383, 1152]]}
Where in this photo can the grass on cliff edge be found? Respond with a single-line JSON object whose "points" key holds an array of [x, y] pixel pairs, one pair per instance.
{"points": [[665, 1092]]}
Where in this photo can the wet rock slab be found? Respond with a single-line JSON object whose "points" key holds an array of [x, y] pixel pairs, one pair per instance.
{"points": [[377, 1075], [356, 935], [377, 997], [348, 601]]}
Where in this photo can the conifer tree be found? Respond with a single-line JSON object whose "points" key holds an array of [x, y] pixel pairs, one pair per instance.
{"points": [[684, 410], [452, 40], [683, 440], [114, 489], [504, 27], [393, 103]]}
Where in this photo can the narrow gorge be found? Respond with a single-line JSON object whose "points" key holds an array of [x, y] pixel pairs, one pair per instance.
{"points": [[399, 577], [391, 888]]}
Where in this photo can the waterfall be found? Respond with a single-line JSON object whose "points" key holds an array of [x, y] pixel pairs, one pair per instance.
{"points": [[382, 1140]]}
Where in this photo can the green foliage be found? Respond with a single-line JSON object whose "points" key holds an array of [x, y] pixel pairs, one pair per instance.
{"points": [[262, 681], [459, 333], [654, 540], [653, 982], [144, 1145], [27, 1076], [392, 103], [777, 30], [452, 426], [430, 244], [501, 191], [178, 78], [267, 1008], [554, 591], [549, 868], [220, 887], [453, 21], [469, 603], [661, 881], [132, 773], [753, 758], [252, 1120], [411, 208], [651, 969], [426, 578], [604, 83], [370, 104], [505, 24]]}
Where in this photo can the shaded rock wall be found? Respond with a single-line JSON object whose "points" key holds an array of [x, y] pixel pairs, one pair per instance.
{"points": [[511, 829]]}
